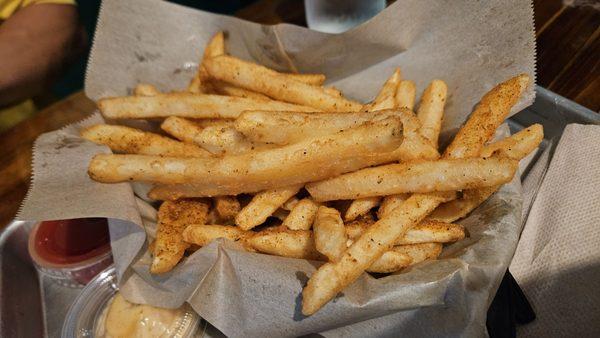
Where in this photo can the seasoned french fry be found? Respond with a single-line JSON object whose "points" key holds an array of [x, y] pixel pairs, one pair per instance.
{"points": [[333, 91], [459, 208], [226, 207], [488, 115], [173, 217], [390, 203], [516, 147], [203, 234], [134, 141], [311, 79], [288, 128], [420, 252], [311, 160], [144, 89], [301, 244], [405, 95], [203, 123], [181, 128], [302, 215], [266, 81], [386, 98], [427, 231], [329, 233], [390, 261], [286, 243], [224, 88], [292, 127], [223, 140], [215, 139], [331, 278], [263, 205], [188, 105], [290, 204], [431, 110], [215, 47], [420, 177], [400, 257], [280, 214], [361, 206]]}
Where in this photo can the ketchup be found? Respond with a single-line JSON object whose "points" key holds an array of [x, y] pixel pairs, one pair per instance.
{"points": [[72, 241]]}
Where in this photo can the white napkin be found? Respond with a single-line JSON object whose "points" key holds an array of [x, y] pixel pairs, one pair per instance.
{"points": [[557, 262]]}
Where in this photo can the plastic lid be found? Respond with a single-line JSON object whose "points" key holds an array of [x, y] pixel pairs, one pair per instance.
{"points": [[87, 315]]}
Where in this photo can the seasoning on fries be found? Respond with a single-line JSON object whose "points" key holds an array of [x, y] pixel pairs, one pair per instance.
{"points": [[270, 152]]}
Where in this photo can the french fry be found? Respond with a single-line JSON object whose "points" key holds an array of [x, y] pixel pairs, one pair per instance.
{"points": [[302, 215], [400, 257], [273, 84], [416, 177], [203, 234], [311, 79], [224, 88], [386, 98], [292, 127], [286, 243], [390, 261], [188, 105], [223, 140], [491, 111], [390, 203], [181, 128], [215, 139], [289, 128], [301, 244], [215, 47], [431, 110], [144, 89], [281, 214], [361, 206], [263, 205], [427, 231], [329, 233], [459, 208], [290, 204], [134, 141], [516, 147], [302, 162], [333, 91], [169, 245], [405, 95], [203, 123], [331, 278], [420, 252], [226, 207]]}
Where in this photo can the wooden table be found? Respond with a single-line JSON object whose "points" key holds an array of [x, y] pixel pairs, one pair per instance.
{"points": [[568, 63]]}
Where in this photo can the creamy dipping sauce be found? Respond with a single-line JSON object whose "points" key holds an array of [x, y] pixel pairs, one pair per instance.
{"points": [[121, 318]]}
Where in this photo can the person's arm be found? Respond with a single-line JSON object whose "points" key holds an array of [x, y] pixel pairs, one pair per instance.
{"points": [[35, 43]]}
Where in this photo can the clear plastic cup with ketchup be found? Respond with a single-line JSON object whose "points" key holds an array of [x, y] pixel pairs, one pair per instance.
{"points": [[71, 252]]}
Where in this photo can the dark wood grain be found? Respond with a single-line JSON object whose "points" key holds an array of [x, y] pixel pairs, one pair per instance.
{"points": [[568, 47], [15, 148]]}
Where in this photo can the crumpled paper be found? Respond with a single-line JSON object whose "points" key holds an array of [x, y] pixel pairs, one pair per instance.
{"points": [[557, 261], [470, 45]]}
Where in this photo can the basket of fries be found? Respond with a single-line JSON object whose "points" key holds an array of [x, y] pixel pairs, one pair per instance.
{"points": [[263, 195]]}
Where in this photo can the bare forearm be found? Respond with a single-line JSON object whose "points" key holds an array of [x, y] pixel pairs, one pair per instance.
{"points": [[35, 43]]}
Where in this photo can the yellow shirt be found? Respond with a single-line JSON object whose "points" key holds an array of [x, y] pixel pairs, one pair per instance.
{"points": [[9, 7], [10, 116]]}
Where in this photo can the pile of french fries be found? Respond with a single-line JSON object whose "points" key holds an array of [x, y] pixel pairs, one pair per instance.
{"points": [[288, 167]]}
